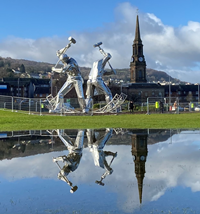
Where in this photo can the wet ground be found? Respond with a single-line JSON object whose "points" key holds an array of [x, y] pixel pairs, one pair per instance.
{"points": [[100, 171]]}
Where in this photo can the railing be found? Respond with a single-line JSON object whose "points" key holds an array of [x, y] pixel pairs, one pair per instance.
{"points": [[162, 105], [40, 106]]}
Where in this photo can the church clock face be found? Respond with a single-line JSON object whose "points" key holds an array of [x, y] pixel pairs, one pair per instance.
{"points": [[142, 158], [140, 59]]}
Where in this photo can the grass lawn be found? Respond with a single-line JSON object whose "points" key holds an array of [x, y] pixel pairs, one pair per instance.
{"points": [[11, 121]]}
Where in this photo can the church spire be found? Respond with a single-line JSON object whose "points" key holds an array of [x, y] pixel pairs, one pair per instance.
{"points": [[138, 64], [140, 186], [139, 152], [137, 39]]}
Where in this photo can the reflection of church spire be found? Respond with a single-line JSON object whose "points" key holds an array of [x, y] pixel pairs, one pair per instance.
{"points": [[139, 152]]}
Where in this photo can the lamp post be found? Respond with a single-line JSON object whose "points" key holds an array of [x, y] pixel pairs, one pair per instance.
{"points": [[56, 89], [169, 91], [51, 85], [121, 87], [18, 87], [198, 93]]}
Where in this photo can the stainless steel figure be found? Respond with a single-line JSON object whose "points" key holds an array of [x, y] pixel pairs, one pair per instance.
{"points": [[96, 143], [70, 66], [72, 160], [95, 80]]}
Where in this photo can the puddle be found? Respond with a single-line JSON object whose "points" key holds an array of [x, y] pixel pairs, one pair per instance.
{"points": [[100, 171]]}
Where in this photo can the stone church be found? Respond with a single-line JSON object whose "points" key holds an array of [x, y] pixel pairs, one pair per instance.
{"points": [[139, 90]]}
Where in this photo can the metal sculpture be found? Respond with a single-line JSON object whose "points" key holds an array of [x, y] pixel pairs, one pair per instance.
{"points": [[95, 84], [70, 66], [72, 160], [96, 143], [95, 81]]}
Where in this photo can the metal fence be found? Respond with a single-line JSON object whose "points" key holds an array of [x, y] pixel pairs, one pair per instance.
{"points": [[166, 105], [24, 105], [40, 106], [152, 106]]}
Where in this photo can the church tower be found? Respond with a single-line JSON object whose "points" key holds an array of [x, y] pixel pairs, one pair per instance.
{"points": [[139, 153], [138, 63]]}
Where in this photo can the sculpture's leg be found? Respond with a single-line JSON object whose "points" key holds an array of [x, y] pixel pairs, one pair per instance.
{"points": [[89, 93], [79, 139], [102, 86], [65, 89], [79, 91]]}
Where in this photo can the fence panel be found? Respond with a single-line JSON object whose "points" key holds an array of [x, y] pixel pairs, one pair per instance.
{"points": [[6, 102], [162, 105]]}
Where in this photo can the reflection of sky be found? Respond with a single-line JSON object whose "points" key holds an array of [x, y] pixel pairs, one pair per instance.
{"points": [[172, 180]]}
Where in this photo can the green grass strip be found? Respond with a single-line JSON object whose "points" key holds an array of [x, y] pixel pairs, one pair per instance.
{"points": [[15, 121]]}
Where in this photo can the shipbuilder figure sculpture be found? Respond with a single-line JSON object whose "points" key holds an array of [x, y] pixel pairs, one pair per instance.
{"points": [[95, 81], [70, 66], [72, 160], [97, 139]]}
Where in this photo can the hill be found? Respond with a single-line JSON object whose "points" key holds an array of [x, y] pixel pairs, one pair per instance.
{"points": [[7, 64]]}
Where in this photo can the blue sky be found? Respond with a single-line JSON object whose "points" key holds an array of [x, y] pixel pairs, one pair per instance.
{"points": [[170, 32]]}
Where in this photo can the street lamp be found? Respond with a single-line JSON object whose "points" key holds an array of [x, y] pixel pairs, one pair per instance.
{"points": [[18, 87], [56, 89], [121, 86], [169, 91]]}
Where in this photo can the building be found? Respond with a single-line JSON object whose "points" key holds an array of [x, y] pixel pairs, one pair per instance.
{"points": [[139, 90], [25, 87], [184, 93], [4, 88], [138, 63]]}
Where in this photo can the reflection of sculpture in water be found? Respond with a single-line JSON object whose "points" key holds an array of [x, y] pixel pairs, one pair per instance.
{"points": [[96, 143], [72, 160], [95, 80], [70, 66]]}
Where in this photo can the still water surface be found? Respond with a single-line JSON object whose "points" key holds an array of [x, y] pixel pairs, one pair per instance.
{"points": [[100, 171]]}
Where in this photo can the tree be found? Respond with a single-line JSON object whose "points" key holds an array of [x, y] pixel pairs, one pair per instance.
{"points": [[1, 63], [22, 68]]}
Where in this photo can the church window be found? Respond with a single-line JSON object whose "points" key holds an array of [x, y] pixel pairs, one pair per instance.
{"points": [[140, 74], [140, 50], [141, 143]]}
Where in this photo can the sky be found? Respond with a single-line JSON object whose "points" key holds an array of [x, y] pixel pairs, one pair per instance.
{"points": [[170, 32]]}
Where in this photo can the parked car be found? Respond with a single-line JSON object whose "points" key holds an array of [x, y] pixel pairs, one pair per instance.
{"points": [[186, 108], [179, 108], [197, 108]]}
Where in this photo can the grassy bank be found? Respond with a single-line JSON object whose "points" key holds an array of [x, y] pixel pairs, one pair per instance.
{"points": [[16, 121]]}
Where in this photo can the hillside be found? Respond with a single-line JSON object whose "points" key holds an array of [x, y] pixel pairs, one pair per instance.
{"points": [[7, 64]]}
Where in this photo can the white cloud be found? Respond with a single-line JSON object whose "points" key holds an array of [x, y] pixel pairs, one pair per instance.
{"points": [[176, 49]]}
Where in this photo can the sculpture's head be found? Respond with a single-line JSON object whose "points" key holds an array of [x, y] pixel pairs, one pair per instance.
{"points": [[64, 57]]}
